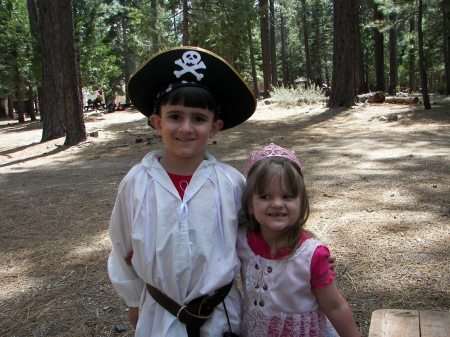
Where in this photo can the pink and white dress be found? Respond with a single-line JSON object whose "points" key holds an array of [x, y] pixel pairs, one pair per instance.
{"points": [[278, 293]]}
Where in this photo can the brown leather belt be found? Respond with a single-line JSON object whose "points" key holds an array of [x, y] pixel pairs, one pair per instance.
{"points": [[195, 313]]}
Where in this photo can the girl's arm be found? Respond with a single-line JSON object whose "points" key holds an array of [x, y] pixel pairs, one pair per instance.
{"points": [[337, 310]]}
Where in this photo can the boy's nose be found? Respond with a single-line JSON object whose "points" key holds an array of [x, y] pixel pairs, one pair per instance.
{"points": [[186, 126]]}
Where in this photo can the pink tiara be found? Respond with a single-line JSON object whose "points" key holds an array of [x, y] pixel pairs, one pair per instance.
{"points": [[271, 150]]}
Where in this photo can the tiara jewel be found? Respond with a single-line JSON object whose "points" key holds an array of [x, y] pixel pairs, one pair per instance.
{"points": [[271, 150]]}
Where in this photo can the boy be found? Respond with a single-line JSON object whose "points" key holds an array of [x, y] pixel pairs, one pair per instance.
{"points": [[177, 210]]}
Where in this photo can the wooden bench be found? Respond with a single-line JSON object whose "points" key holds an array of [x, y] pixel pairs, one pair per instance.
{"points": [[409, 323]]}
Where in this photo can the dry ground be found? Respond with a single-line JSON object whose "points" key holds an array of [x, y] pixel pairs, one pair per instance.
{"points": [[379, 193]]}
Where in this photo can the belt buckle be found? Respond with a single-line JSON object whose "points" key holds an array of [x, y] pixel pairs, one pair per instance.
{"points": [[180, 312]]}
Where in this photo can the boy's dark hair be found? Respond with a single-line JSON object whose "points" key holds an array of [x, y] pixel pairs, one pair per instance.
{"points": [[258, 179], [192, 97]]}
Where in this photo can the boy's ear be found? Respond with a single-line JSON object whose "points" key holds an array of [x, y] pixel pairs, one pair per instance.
{"points": [[216, 126], [155, 120]]}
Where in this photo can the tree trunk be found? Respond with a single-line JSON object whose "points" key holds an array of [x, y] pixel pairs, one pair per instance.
{"points": [[361, 83], [402, 100], [373, 97], [52, 98], [284, 65], [309, 74], [126, 50], [343, 89], [393, 63], [61, 96], [423, 72], [412, 59], [73, 105], [446, 47], [185, 23], [273, 46], [154, 11], [11, 106], [253, 63], [37, 52], [30, 103], [265, 46], [378, 51]]}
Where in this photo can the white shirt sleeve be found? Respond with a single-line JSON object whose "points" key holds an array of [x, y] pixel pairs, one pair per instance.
{"points": [[123, 276]]}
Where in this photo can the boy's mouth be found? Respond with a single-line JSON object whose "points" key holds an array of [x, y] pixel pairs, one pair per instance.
{"points": [[185, 140]]}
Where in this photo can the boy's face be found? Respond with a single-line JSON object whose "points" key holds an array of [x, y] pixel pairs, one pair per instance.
{"points": [[185, 131]]}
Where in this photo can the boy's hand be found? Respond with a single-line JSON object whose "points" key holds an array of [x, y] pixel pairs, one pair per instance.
{"points": [[332, 261], [133, 316]]}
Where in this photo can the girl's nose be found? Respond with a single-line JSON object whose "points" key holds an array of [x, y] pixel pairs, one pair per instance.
{"points": [[277, 203]]}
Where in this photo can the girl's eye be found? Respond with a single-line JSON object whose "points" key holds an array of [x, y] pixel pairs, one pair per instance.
{"points": [[264, 197]]}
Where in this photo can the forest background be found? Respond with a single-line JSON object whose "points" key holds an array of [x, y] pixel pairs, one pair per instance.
{"points": [[380, 189], [356, 46]]}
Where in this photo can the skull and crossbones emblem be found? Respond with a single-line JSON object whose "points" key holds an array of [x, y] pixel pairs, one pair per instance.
{"points": [[190, 62]]}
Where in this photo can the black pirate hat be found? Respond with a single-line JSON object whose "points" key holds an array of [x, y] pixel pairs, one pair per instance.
{"points": [[198, 66]]}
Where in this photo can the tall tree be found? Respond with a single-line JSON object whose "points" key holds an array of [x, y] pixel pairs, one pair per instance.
{"points": [[446, 44], [343, 84], [273, 44], [309, 74], [61, 96], [393, 62], [378, 49], [412, 57], [265, 46], [423, 72]]}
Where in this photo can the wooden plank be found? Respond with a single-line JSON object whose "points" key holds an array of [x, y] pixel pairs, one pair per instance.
{"points": [[434, 324], [394, 322]]}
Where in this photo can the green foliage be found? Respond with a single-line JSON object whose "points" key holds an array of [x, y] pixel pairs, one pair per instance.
{"points": [[15, 58]]}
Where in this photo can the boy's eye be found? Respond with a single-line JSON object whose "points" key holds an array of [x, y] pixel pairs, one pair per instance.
{"points": [[175, 117], [198, 119]]}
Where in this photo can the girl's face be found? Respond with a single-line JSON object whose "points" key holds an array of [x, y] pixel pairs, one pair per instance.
{"points": [[276, 208]]}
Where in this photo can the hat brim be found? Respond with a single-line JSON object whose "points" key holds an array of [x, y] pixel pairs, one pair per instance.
{"points": [[236, 99]]}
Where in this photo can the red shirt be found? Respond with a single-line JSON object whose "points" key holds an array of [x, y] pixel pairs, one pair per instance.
{"points": [[180, 182]]}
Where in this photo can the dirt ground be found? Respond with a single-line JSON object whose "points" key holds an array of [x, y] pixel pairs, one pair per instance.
{"points": [[379, 191]]}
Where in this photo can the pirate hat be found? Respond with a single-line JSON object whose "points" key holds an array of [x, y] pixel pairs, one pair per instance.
{"points": [[197, 66]]}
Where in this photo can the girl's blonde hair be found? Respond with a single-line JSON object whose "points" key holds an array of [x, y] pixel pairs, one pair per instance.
{"points": [[258, 179]]}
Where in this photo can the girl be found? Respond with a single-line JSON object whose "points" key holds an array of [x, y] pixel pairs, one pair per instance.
{"points": [[289, 289]]}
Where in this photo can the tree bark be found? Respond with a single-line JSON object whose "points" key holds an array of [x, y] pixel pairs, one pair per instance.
{"points": [[343, 89], [73, 105], [185, 23], [373, 97], [253, 63], [61, 94], [378, 51], [412, 59], [446, 44], [52, 98], [403, 100], [273, 45], [393, 62], [265, 46], [423, 73], [284, 65], [309, 74]]}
